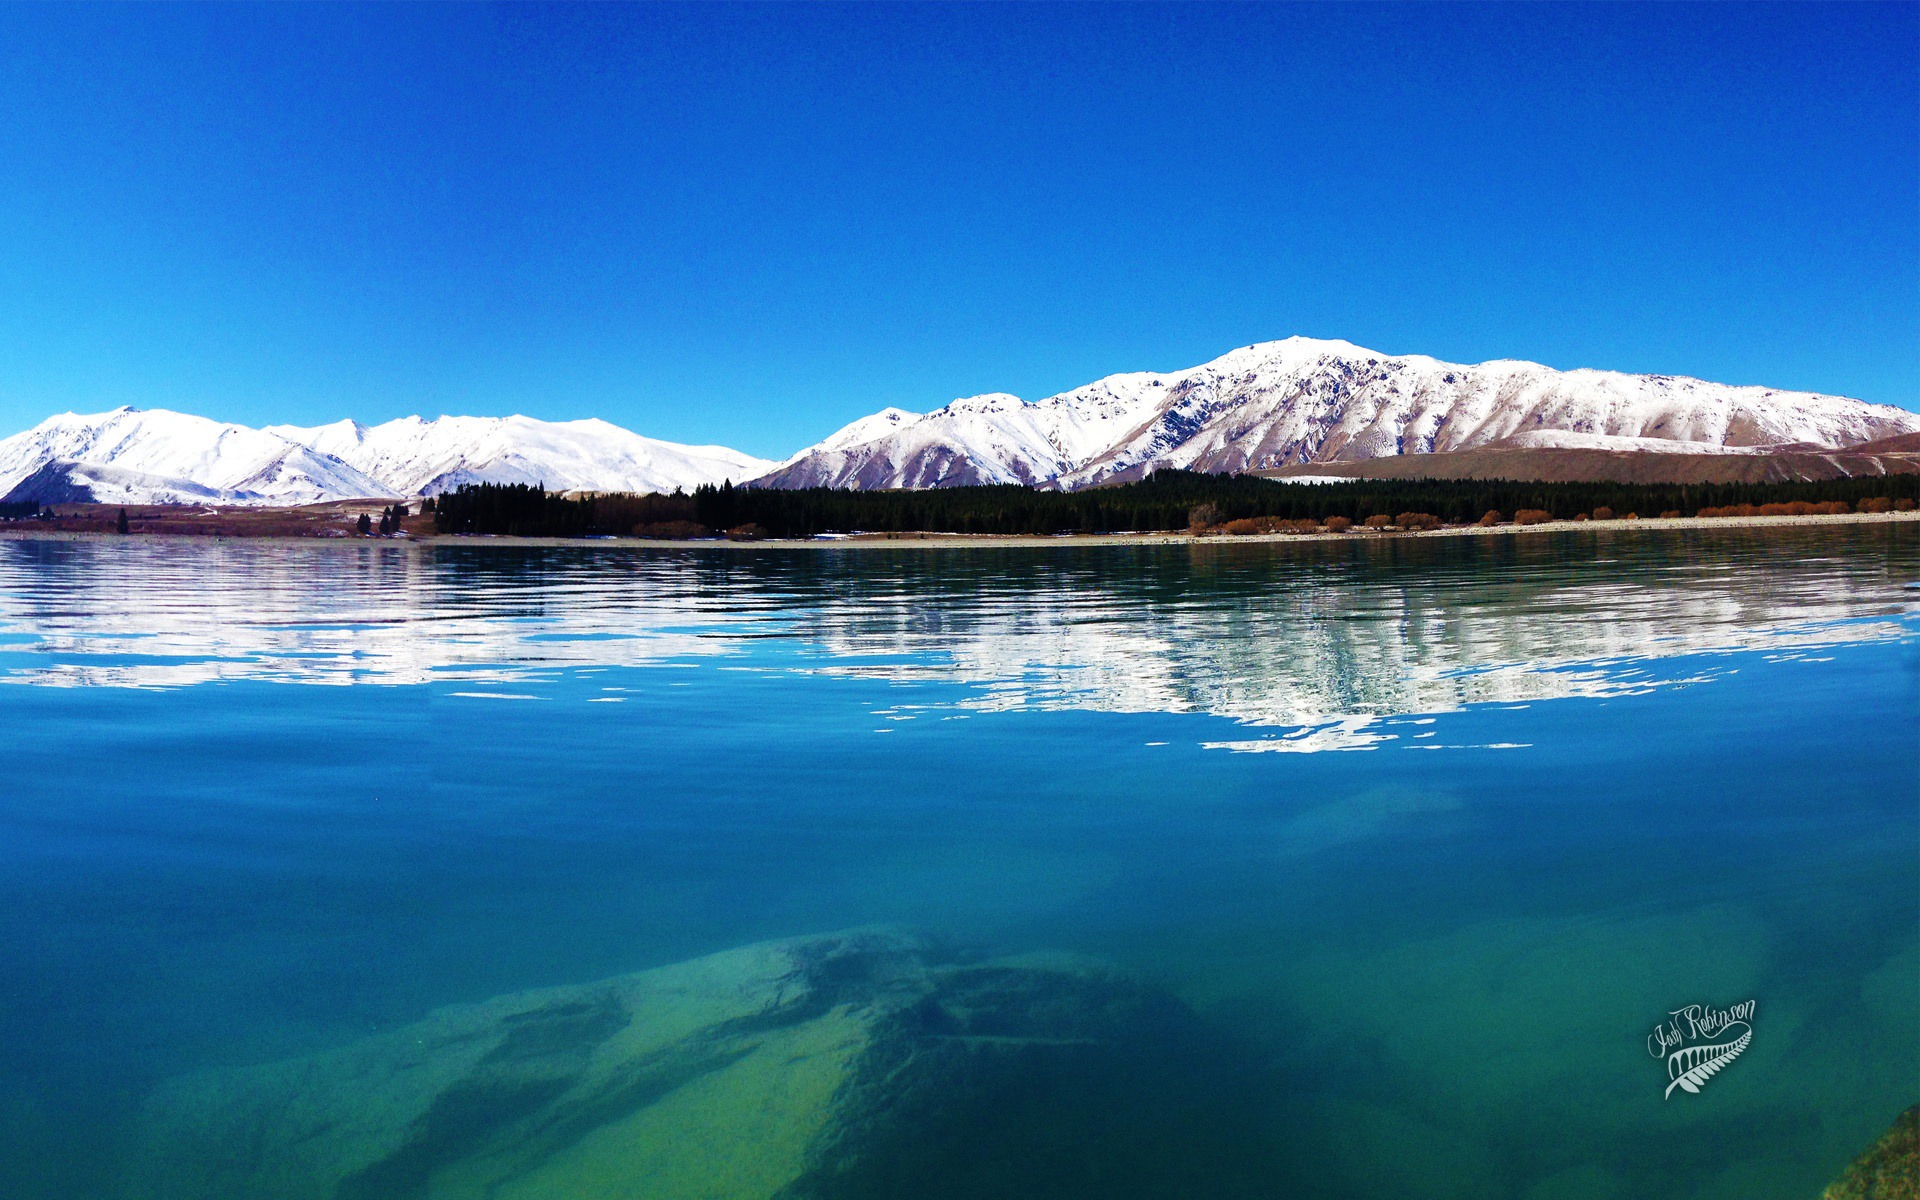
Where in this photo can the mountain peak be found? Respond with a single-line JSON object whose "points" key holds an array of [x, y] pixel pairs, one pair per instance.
{"points": [[1302, 400], [1259, 406], [986, 402], [1311, 345], [131, 456], [414, 456], [139, 456]]}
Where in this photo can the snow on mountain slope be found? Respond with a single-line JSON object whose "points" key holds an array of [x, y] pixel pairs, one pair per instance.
{"points": [[62, 482], [866, 429], [133, 456], [982, 439], [995, 438], [416, 457], [152, 456], [1265, 406], [1303, 401]]}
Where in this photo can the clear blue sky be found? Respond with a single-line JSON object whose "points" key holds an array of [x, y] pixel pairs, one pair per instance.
{"points": [[750, 225]]}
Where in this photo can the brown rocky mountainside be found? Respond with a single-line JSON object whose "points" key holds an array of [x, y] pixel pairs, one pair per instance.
{"points": [[1898, 455], [1899, 443]]}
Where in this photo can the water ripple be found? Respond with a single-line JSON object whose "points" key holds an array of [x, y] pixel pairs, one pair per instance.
{"points": [[1324, 639]]}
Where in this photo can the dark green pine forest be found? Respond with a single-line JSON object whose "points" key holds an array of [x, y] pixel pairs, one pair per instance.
{"points": [[1167, 500]]}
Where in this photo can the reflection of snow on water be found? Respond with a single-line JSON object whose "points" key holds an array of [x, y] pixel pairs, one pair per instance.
{"points": [[1320, 641], [1333, 679], [1348, 733]]}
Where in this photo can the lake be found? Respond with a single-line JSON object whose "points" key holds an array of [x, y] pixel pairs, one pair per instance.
{"points": [[1345, 869]]}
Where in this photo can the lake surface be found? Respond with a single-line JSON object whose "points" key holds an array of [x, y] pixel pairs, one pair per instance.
{"points": [[1339, 870]]}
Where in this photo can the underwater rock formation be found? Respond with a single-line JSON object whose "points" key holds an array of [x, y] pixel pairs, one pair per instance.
{"points": [[822, 1068], [1888, 1170]]}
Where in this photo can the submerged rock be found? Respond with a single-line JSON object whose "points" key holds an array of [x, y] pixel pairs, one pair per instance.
{"points": [[1888, 1170], [845, 1065]]}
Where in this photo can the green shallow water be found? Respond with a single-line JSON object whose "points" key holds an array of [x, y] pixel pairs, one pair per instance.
{"points": [[1329, 871]]}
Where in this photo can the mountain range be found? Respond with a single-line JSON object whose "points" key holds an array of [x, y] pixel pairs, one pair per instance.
{"points": [[135, 456], [412, 457], [1265, 407], [1279, 404]]}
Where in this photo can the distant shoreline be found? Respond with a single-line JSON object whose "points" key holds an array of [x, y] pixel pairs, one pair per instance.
{"points": [[912, 541]]}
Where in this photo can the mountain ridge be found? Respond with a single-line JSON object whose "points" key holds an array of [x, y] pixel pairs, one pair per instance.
{"points": [[127, 455], [156, 456], [425, 457], [1267, 407], [1302, 400]]}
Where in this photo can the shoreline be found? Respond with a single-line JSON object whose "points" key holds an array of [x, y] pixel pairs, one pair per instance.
{"points": [[911, 541]]}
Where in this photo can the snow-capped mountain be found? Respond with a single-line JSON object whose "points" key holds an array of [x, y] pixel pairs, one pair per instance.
{"points": [[152, 456], [416, 458], [1270, 405], [866, 429], [1308, 401]]}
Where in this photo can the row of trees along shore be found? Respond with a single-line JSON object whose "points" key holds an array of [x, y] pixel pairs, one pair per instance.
{"points": [[1169, 499]]}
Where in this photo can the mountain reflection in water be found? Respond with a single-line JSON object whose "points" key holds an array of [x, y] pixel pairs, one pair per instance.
{"points": [[1320, 639]]}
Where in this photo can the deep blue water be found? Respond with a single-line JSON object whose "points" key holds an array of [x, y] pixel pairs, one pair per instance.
{"points": [[1436, 831]]}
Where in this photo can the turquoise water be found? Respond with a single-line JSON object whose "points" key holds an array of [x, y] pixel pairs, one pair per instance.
{"points": [[1410, 843]]}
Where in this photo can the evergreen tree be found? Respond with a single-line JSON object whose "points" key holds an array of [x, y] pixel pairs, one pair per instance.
{"points": [[1169, 499], [366, 525], [120, 525]]}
